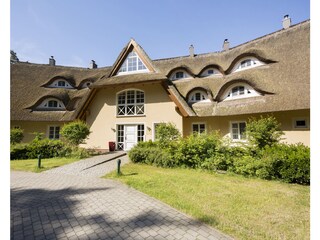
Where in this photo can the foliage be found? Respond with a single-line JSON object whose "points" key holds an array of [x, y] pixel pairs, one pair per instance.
{"points": [[38, 136], [267, 159], [75, 132], [264, 131], [166, 133], [16, 135], [47, 148], [193, 150]]}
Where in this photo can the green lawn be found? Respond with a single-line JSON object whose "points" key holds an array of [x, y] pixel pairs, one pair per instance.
{"points": [[31, 165], [240, 207]]}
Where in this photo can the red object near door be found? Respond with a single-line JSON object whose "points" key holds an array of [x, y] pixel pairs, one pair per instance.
{"points": [[112, 146]]}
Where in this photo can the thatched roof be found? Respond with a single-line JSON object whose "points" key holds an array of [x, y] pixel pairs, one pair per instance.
{"points": [[283, 82], [28, 89]]}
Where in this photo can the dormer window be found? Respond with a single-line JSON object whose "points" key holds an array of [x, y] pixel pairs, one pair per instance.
{"points": [[198, 96], [179, 75], [247, 63], [51, 103], [210, 72], [240, 91], [132, 64], [60, 83], [85, 84]]}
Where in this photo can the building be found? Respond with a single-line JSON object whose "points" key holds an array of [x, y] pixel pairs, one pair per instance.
{"points": [[199, 92]]}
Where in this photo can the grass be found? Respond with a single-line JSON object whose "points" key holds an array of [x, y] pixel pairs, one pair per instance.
{"points": [[243, 208], [31, 165]]}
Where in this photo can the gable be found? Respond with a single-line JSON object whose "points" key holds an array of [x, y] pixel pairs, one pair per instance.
{"points": [[132, 59]]}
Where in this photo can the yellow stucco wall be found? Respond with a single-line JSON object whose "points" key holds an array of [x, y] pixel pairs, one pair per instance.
{"points": [[30, 127], [103, 120], [286, 119]]}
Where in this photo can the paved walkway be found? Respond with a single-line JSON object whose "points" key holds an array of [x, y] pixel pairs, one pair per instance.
{"points": [[60, 204]]}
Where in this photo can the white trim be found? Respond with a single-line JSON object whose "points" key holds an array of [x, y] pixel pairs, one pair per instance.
{"points": [[48, 131], [248, 92], [216, 72], [203, 93], [254, 63], [133, 115], [124, 132], [198, 123], [137, 64], [45, 102], [231, 133], [55, 84], [173, 75]]}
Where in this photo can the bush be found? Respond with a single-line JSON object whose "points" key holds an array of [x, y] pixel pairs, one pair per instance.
{"points": [[166, 133], [47, 148], [291, 163], [16, 135], [263, 132], [75, 132], [193, 150]]}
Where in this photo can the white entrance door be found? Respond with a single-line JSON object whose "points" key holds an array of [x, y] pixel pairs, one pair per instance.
{"points": [[130, 136]]}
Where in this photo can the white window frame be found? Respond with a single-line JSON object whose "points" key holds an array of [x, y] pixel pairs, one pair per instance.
{"points": [[45, 104], [254, 62], [185, 75], [248, 92], [239, 139], [55, 84], [216, 72], [53, 126], [137, 107], [124, 69], [203, 94], [124, 133], [198, 124], [294, 123]]}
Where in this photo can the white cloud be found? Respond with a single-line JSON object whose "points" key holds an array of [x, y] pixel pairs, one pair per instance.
{"points": [[29, 51]]}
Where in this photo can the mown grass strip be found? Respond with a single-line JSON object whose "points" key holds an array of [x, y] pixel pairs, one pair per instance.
{"points": [[244, 208], [31, 165]]}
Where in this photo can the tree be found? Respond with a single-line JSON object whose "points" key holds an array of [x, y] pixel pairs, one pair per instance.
{"points": [[16, 135], [264, 131], [75, 132]]}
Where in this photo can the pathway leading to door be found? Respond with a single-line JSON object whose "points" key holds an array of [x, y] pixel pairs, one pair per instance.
{"points": [[74, 203]]}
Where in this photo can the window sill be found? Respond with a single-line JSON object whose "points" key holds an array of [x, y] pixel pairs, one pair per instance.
{"points": [[130, 116]]}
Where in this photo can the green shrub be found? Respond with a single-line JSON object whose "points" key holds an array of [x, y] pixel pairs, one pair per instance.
{"points": [[263, 132], [291, 163], [75, 132], [193, 150], [16, 135], [18, 151], [166, 133], [46, 147]]}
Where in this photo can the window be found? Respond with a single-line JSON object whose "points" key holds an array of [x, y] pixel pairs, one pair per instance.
{"points": [[140, 134], [130, 103], [247, 63], [198, 96], [240, 91], [54, 132], [60, 83], [198, 128], [238, 130], [53, 104], [179, 75], [120, 142], [301, 123], [132, 63], [210, 71]]}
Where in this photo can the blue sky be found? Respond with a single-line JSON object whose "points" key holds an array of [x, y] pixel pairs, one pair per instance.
{"points": [[77, 31]]}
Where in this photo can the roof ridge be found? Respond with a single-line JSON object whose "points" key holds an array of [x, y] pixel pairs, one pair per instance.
{"points": [[250, 41]]}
